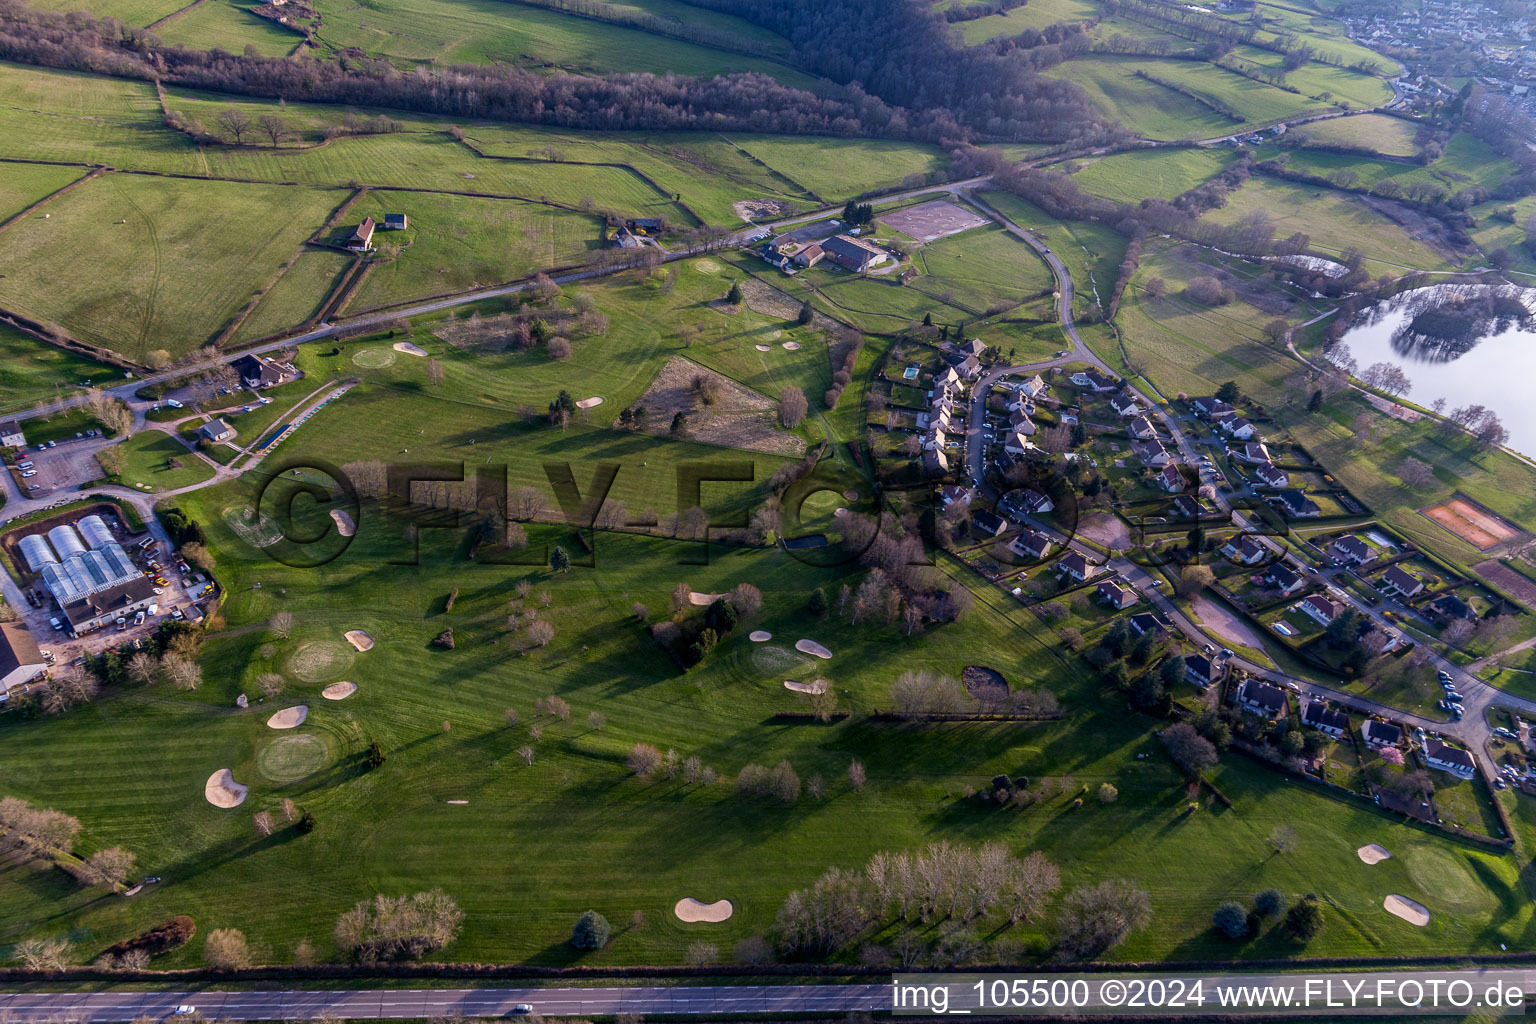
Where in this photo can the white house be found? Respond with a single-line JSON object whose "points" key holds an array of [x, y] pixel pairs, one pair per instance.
{"points": [[1320, 609], [1236, 426], [1378, 734], [1255, 453], [1125, 405], [1318, 715], [1243, 550], [1449, 759], [1152, 454], [11, 435], [1016, 443], [1170, 479], [1141, 429], [20, 660]]}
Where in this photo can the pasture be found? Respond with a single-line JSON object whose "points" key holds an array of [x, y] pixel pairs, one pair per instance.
{"points": [[1037, 14], [1091, 251], [980, 268], [1150, 173], [229, 24], [485, 31], [137, 13], [21, 185], [844, 169], [1336, 222], [1154, 110], [142, 264], [298, 295], [457, 243], [31, 371], [1391, 136]]}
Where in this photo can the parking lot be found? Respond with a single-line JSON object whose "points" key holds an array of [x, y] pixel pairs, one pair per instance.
{"points": [[65, 466]]}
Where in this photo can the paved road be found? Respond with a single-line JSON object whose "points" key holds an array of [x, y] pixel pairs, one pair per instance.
{"points": [[419, 1003]]}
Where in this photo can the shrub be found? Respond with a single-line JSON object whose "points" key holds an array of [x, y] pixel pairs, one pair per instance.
{"points": [[591, 931], [161, 938], [1231, 918], [226, 949], [1108, 794], [399, 927], [1269, 903], [1305, 919]]}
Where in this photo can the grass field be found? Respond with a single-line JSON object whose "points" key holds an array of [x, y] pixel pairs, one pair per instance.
{"points": [[455, 243], [147, 463], [842, 171], [1151, 173], [1322, 81], [1335, 222], [1036, 14], [297, 295], [21, 185], [488, 31], [31, 371], [1466, 163], [138, 264], [229, 24], [137, 13], [1390, 135], [980, 267], [1091, 251]]}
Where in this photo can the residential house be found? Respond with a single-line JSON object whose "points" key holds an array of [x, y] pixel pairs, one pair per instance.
{"points": [[262, 372], [1320, 609], [1032, 544], [935, 440], [1261, 698], [1402, 584], [1284, 579], [1020, 423], [11, 435], [1211, 408], [1378, 734], [1017, 443], [1125, 405], [1352, 549], [1318, 715], [854, 254], [361, 237], [985, 523], [1152, 454], [1116, 594], [1199, 670], [654, 226], [1187, 506], [1034, 388], [216, 430], [1141, 429], [954, 494], [1449, 606], [1295, 503], [1235, 426], [1020, 402], [935, 462], [20, 659], [1071, 417], [1074, 565], [1095, 381], [396, 222], [1254, 453], [969, 368], [949, 380], [810, 255], [1143, 623], [975, 347], [1244, 550], [1033, 502], [1171, 479], [1449, 759], [1271, 475]]}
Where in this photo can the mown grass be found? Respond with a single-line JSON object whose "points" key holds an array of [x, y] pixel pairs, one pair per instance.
{"points": [[140, 264], [147, 463], [845, 168], [456, 243], [1335, 222], [138, 13], [298, 295], [503, 857], [1466, 163], [1156, 112], [21, 185], [978, 268], [1151, 173], [1037, 14], [1091, 251], [487, 31], [230, 25]]}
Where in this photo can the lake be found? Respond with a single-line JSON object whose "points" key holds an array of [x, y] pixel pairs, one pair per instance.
{"points": [[1466, 344]]}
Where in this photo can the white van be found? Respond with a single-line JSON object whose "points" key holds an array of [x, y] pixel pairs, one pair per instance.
{"points": [[173, 403]]}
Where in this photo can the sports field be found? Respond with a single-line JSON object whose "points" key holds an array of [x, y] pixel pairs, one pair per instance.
{"points": [[141, 264], [1471, 522]]}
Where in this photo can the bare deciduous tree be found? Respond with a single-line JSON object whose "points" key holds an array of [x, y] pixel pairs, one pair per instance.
{"points": [[226, 949], [856, 775], [643, 759], [792, 407], [262, 822]]}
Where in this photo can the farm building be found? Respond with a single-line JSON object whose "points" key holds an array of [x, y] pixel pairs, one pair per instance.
{"points": [[11, 435], [396, 222], [20, 660], [853, 254], [810, 255], [361, 237], [216, 430]]}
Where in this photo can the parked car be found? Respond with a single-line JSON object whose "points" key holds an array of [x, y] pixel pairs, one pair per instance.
{"points": [[1506, 733], [176, 614], [28, 472], [55, 623], [138, 619]]}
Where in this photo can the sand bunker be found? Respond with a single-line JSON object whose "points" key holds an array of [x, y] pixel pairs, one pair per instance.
{"points": [[694, 911], [289, 718], [587, 403], [812, 647], [1373, 854], [701, 600], [460, 802], [339, 691], [222, 790], [360, 639], [344, 524], [1413, 912], [763, 348], [758, 636], [409, 348], [792, 346], [814, 686], [839, 512], [850, 495]]}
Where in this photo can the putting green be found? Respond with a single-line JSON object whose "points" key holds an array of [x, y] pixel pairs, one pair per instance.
{"points": [[373, 358], [291, 758], [706, 266], [321, 661], [1444, 875], [772, 659]]}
